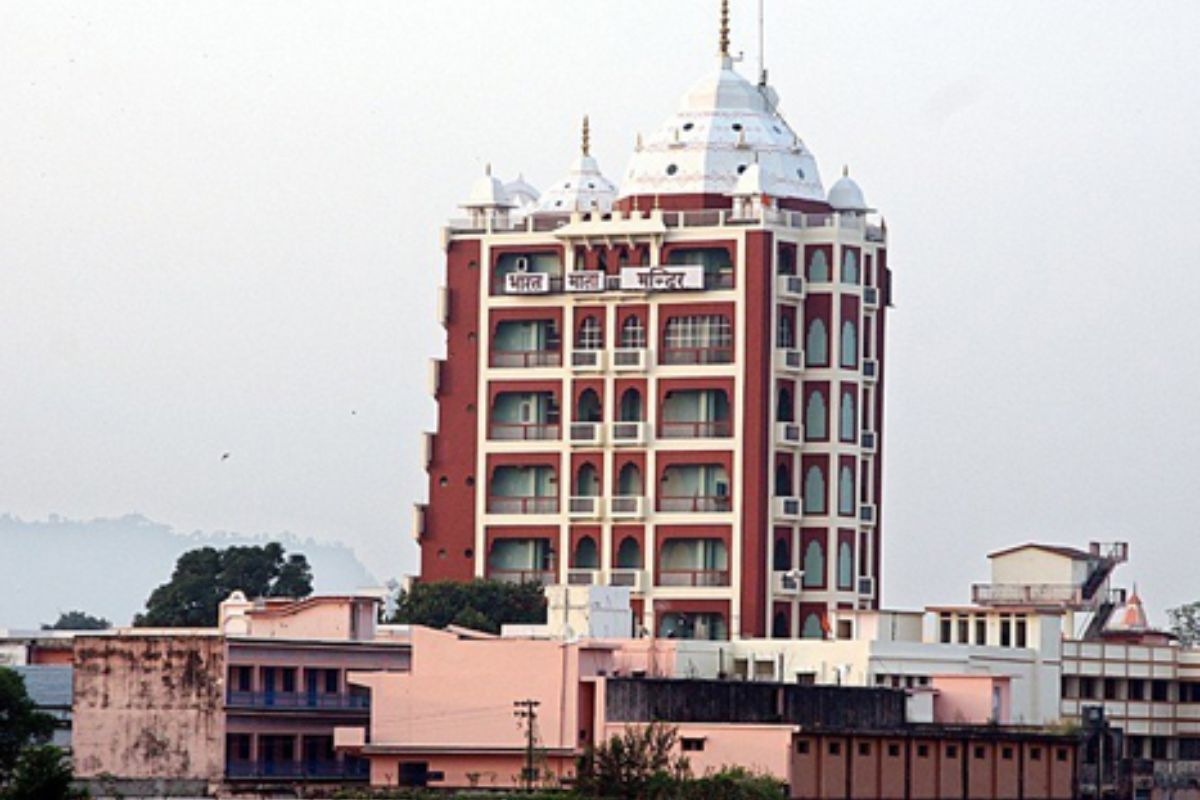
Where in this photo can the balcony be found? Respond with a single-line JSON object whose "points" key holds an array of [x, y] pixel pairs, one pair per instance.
{"points": [[787, 582], [540, 576], [522, 505], [630, 359], [632, 579], [720, 279], [870, 298], [870, 370], [867, 440], [787, 508], [688, 356], [789, 287], [584, 577], [586, 433], [626, 507], [310, 701], [629, 433], [419, 512], [587, 360], [710, 429], [1027, 594], [696, 504], [523, 431], [697, 578], [866, 513], [525, 359], [584, 508], [789, 359], [789, 434], [356, 770]]}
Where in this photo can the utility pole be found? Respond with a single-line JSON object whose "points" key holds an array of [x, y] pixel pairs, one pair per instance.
{"points": [[526, 710]]}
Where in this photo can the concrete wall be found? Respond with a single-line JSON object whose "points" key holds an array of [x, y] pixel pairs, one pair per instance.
{"points": [[1031, 566], [971, 699], [149, 706]]}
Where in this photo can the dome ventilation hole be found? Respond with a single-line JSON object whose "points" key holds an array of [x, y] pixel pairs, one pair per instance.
{"points": [[741, 168], [737, 126], [687, 126], [672, 169], [800, 174]]}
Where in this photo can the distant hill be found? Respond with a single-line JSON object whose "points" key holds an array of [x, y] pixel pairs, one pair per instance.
{"points": [[108, 567]]}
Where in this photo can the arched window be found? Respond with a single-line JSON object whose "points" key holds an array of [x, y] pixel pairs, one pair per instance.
{"points": [[849, 344], [629, 482], [779, 626], [814, 491], [587, 482], [812, 627], [631, 406], [783, 480], [846, 491], [845, 566], [784, 408], [587, 408], [814, 564], [782, 559], [816, 344], [850, 267], [633, 332], [785, 333], [629, 554], [590, 336], [818, 267], [816, 417], [586, 554], [846, 419]]}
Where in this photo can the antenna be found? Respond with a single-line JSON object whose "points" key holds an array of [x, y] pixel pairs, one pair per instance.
{"points": [[762, 46]]}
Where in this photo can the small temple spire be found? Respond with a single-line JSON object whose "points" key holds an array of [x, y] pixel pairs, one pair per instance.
{"points": [[724, 42], [586, 145]]}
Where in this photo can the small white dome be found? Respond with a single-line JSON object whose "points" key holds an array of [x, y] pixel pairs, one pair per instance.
{"points": [[846, 195], [521, 193], [584, 189], [488, 192]]}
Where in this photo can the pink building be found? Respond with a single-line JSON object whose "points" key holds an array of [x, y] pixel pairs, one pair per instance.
{"points": [[254, 700]]}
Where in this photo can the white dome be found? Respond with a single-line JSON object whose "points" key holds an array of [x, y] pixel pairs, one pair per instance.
{"points": [[521, 193], [584, 189], [723, 126], [488, 192], [846, 195]]}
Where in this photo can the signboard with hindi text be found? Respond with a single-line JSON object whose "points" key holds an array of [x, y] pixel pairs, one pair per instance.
{"points": [[589, 281], [672, 278], [526, 283]]}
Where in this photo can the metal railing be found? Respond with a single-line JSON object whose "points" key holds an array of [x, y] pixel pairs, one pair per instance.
{"points": [[542, 576], [500, 504], [628, 432], [696, 504], [301, 700], [693, 577], [699, 429], [626, 506], [524, 359], [299, 770], [523, 431], [697, 355]]}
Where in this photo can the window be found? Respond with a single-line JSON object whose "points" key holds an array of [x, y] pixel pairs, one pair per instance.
{"points": [[981, 630], [695, 332], [1158, 691], [633, 333], [1035, 754], [845, 567], [816, 344], [864, 748], [922, 751], [692, 745], [849, 349], [814, 491], [785, 333], [629, 554], [814, 564], [818, 267], [951, 751], [590, 336], [1110, 688], [586, 554], [846, 418], [813, 629], [1022, 631], [846, 491], [815, 417], [980, 752], [782, 557], [893, 750], [784, 411], [802, 747], [945, 628], [1006, 753], [1137, 690], [850, 267], [1060, 754], [835, 748], [1087, 688], [1005, 630], [964, 630]]}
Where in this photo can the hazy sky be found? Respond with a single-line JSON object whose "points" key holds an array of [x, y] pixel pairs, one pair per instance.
{"points": [[219, 231]]}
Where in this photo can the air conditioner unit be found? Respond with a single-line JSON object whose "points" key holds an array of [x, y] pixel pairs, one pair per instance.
{"points": [[866, 586]]}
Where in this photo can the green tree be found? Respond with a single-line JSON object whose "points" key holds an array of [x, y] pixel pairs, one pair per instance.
{"points": [[78, 621], [638, 764], [1185, 623], [43, 772], [205, 576], [482, 605], [21, 723]]}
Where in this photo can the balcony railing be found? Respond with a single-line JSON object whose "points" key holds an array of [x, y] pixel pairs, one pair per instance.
{"points": [[299, 770], [1033, 594], [697, 504], [584, 507], [298, 700], [500, 504], [693, 577], [523, 431], [697, 355], [633, 578], [709, 429], [626, 507], [542, 576], [629, 433], [525, 359]]}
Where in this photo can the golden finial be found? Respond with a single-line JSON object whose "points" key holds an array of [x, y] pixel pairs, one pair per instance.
{"points": [[587, 136], [724, 28], [845, 170]]}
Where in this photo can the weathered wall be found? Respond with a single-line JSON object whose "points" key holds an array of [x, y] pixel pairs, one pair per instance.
{"points": [[149, 706]]}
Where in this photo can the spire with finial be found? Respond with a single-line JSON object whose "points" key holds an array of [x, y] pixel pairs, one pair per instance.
{"points": [[724, 42], [587, 137], [845, 170]]}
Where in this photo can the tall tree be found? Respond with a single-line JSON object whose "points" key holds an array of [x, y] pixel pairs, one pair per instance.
{"points": [[21, 724], [481, 605], [78, 621], [205, 576], [1185, 623], [43, 772]]}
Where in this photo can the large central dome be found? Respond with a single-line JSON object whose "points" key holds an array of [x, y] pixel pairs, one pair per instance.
{"points": [[724, 124]]}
